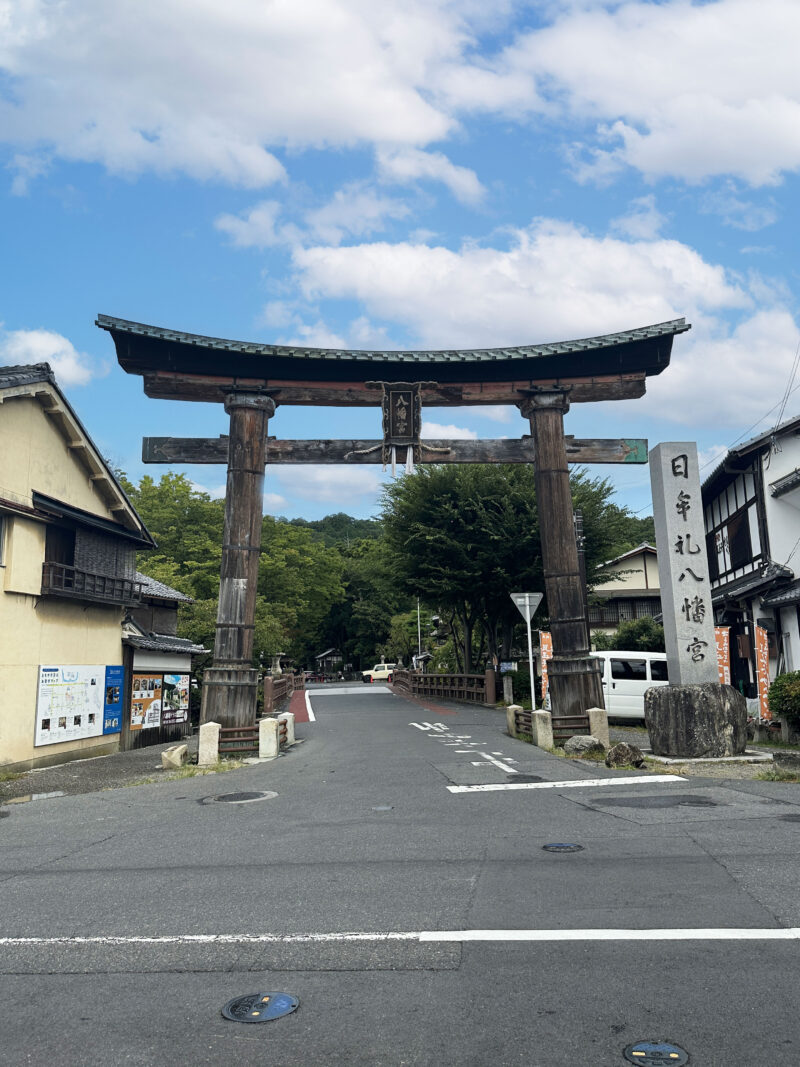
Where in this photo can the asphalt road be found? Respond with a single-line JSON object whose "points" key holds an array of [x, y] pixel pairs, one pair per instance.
{"points": [[415, 923]]}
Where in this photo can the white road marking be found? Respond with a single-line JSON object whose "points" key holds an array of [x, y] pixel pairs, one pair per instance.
{"points": [[311, 716], [348, 691], [791, 933], [491, 761], [425, 726], [597, 783]]}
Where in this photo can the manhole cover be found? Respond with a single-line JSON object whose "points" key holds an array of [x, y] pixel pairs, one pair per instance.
{"points": [[242, 798], [260, 1007], [655, 1054], [525, 778], [559, 846], [657, 802]]}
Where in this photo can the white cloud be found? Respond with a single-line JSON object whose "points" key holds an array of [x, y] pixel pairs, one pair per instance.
{"points": [[313, 335], [708, 458], [670, 88], [354, 209], [726, 378], [734, 211], [496, 412], [204, 88], [434, 430], [216, 492], [411, 164], [676, 88], [274, 503], [555, 281], [643, 222], [329, 484], [71, 367], [255, 228], [25, 169]]}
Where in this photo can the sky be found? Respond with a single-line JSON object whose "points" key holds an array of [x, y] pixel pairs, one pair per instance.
{"points": [[404, 174]]}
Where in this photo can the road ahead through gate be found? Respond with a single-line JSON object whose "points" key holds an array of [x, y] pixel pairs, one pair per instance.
{"points": [[415, 924]]}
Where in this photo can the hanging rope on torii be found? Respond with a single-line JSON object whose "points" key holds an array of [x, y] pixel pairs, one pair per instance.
{"points": [[252, 380]]}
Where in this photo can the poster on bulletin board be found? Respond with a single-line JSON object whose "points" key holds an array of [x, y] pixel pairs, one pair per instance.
{"points": [[78, 701], [146, 701], [175, 700]]}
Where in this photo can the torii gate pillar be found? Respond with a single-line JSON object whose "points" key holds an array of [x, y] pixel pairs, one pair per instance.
{"points": [[230, 685], [574, 679]]}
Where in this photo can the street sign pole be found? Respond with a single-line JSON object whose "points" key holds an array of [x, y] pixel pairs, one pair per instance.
{"points": [[527, 603]]}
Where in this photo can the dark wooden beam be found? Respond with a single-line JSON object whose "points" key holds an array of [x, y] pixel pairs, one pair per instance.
{"points": [[166, 385], [520, 450]]}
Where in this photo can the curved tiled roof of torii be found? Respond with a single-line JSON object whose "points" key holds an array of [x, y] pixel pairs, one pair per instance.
{"points": [[146, 350]]}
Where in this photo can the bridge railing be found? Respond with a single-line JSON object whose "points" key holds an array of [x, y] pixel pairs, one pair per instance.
{"points": [[476, 688], [276, 689]]}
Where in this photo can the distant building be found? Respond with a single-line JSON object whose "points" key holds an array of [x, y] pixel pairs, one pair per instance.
{"points": [[629, 589], [329, 661], [752, 519]]}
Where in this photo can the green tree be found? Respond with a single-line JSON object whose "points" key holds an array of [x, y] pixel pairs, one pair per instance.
{"points": [[463, 537], [187, 526], [360, 623], [340, 529], [633, 635], [299, 579]]}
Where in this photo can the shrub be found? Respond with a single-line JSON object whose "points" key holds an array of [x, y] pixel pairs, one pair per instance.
{"points": [[633, 635], [784, 697]]}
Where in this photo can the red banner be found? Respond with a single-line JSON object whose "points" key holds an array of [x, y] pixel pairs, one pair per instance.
{"points": [[546, 650], [762, 670], [723, 636]]}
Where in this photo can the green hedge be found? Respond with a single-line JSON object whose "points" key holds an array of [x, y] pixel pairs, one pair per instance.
{"points": [[784, 697]]}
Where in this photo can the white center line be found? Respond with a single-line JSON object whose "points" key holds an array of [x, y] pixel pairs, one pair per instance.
{"points": [[596, 783], [723, 933]]}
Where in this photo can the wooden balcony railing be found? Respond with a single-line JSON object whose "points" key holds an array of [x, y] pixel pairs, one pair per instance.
{"points": [[62, 581]]}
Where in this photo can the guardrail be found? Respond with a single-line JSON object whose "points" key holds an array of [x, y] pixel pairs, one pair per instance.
{"points": [[276, 689], [474, 688]]}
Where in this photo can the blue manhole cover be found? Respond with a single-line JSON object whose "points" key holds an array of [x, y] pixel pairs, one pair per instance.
{"points": [[260, 1007], [655, 1054], [560, 846]]}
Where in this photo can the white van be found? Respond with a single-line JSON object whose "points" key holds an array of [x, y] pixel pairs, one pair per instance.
{"points": [[626, 677]]}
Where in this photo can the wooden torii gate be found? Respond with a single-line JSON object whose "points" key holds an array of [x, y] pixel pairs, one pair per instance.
{"points": [[251, 380]]}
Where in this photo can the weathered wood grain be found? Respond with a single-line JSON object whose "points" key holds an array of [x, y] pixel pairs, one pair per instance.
{"points": [[166, 385], [520, 450]]}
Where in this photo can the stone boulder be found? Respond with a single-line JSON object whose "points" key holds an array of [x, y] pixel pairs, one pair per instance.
{"points": [[696, 721], [624, 755], [174, 757], [583, 745]]}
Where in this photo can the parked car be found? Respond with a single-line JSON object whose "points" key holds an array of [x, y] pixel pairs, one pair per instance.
{"points": [[626, 678], [381, 672]]}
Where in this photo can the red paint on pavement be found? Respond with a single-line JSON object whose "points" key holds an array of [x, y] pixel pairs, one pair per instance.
{"points": [[426, 704], [297, 706]]}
